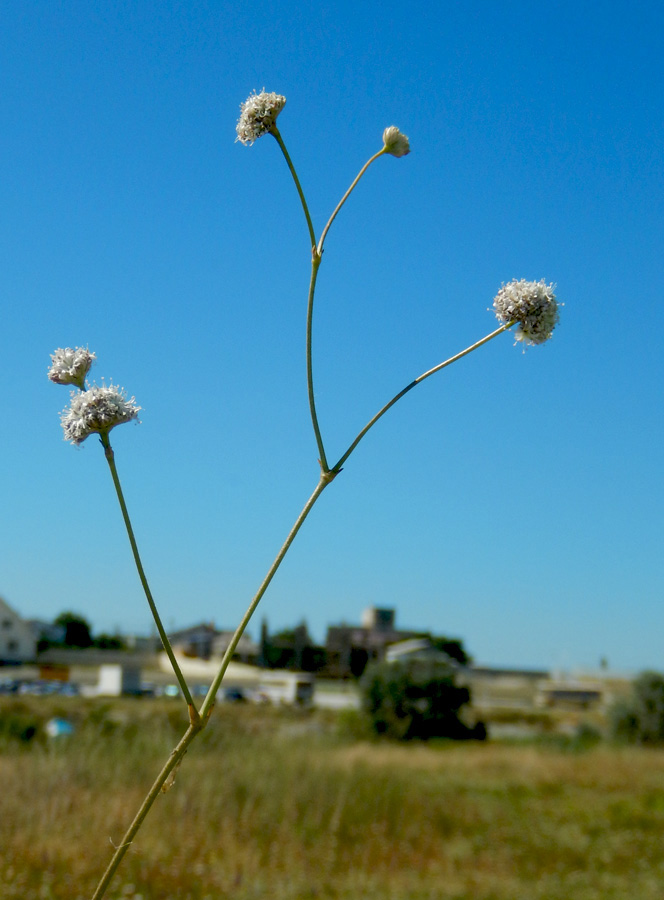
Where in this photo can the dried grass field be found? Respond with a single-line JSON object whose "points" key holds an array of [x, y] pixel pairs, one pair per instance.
{"points": [[292, 806]]}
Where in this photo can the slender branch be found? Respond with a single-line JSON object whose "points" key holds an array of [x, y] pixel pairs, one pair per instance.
{"points": [[315, 263], [274, 131], [409, 387], [206, 708], [345, 197], [110, 459], [197, 725], [171, 765], [322, 459]]}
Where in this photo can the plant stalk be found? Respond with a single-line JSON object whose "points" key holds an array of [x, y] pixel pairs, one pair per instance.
{"points": [[322, 458], [202, 718], [171, 765], [409, 387], [274, 131], [110, 459], [206, 708], [345, 197]]}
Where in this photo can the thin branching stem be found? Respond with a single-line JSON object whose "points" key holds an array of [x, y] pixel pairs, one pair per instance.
{"points": [[322, 459], [316, 258], [202, 719], [409, 387], [315, 263], [199, 719], [274, 131], [345, 197], [110, 459]]}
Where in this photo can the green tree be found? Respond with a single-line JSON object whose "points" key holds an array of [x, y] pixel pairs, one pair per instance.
{"points": [[109, 642], [452, 646], [640, 718], [416, 699], [77, 630]]}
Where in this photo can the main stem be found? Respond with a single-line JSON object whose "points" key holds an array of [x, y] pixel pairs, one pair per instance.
{"points": [[206, 708], [202, 719], [322, 458], [316, 257], [110, 459], [315, 263], [173, 762]]}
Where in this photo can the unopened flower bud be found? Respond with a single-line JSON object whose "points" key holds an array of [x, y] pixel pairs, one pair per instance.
{"points": [[96, 411], [70, 366], [530, 303], [395, 142], [258, 116]]}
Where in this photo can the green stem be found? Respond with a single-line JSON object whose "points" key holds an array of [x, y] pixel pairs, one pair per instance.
{"points": [[202, 719], [448, 362], [171, 765], [208, 703], [315, 263], [345, 197], [322, 459], [110, 459], [274, 131]]}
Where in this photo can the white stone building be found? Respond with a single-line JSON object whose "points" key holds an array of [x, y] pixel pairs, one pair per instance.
{"points": [[17, 641]]}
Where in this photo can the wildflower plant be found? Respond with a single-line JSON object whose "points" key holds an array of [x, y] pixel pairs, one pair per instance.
{"points": [[531, 306]]}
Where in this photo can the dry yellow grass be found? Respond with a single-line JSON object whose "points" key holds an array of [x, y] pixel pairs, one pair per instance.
{"points": [[283, 808]]}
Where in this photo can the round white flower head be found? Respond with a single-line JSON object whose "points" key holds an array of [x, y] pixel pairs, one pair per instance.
{"points": [[70, 366], [530, 303], [395, 142], [258, 116], [96, 411]]}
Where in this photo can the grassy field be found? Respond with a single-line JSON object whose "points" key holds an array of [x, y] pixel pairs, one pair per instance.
{"points": [[289, 807]]}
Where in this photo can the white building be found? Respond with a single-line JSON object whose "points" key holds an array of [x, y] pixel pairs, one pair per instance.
{"points": [[17, 641]]}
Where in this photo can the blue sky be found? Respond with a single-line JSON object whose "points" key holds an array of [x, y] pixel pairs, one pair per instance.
{"points": [[514, 500]]}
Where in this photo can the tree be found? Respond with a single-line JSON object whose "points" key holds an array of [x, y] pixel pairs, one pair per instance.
{"points": [[416, 699], [452, 646], [109, 642], [640, 719], [77, 630]]}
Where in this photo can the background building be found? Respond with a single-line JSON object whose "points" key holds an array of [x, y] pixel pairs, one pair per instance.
{"points": [[17, 640]]}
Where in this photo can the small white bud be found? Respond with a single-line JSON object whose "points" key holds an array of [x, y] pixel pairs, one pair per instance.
{"points": [[395, 142]]}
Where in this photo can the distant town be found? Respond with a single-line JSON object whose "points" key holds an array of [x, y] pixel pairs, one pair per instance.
{"points": [[282, 667]]}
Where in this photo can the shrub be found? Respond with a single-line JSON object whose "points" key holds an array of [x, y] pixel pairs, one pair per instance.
{"points": [[416, 699], [640, 719]]}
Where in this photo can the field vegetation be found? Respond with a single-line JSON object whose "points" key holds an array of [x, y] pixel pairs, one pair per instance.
{"points": [[290, 806]]}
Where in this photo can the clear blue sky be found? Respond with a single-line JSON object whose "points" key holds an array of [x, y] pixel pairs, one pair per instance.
{"points": [[515, 500]]}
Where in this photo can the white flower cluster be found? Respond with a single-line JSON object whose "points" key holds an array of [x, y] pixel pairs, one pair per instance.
{"points": [[70, 366], [96, 411], [530, 303], [395, 142], [258, 115], [92, 411]]}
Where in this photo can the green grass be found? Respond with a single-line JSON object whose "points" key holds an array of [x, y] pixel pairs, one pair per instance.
{"points": [[282, 806]]}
